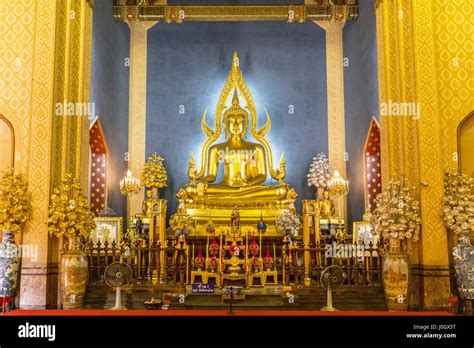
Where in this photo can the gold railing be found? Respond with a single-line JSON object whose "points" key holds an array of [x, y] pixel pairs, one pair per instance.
{"points": [[152, 264], [362, 264], [295, 265]]}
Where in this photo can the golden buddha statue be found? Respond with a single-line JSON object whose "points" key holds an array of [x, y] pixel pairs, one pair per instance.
{"points": [[326, 207], [245, 164]]}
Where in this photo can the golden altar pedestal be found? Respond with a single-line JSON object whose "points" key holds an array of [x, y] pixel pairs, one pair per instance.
{"points": [[155, 220], [154, 216], [246, 165]]}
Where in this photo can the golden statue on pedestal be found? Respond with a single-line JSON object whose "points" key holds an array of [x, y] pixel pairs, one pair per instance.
{"points": [[245, 164], [326, 207], [235, 222], [150, 205]]}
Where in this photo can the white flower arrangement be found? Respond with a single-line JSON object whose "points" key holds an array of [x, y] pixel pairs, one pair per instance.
{"points": [[458, 202], [397, 213], [319, 172], [288, 223]]}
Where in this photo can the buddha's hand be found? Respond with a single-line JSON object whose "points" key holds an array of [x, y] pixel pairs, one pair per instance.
{"points": [[239, 182]]}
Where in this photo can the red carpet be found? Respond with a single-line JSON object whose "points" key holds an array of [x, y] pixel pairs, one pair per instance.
{"points": [[98, 312]]}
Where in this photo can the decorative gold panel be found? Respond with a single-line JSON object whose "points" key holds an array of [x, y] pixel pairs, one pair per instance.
{"points": [[178, 14]]}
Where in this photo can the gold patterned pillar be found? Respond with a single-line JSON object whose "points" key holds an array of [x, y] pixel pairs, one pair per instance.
{"points": [[38, 36], [32, 50], [412, 144], [434, 247], [59, 53], [335, 100], [137, 103], [384, 156], [399, 132], [72, 85]]}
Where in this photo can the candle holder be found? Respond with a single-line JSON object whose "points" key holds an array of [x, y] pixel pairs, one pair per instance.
{"points": [[339, 187], [130, 186]]}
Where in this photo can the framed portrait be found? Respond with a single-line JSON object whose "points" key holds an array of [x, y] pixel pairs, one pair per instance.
{"points": [[108, 229]]}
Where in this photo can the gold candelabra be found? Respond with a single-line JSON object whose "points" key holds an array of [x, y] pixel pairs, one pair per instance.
{"points": [[129, 186], [339, 187]]}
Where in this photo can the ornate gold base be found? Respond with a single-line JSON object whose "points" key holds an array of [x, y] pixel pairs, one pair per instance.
{"points": [[249, 219]]}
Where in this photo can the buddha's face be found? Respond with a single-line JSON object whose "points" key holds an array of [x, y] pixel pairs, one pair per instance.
{"points": [[236, 125], [149, 193], [326, 195]]}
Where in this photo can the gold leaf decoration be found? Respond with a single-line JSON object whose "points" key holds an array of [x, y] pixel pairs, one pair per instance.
{"points": [[69, 210], [15, 203], [154, 172], [181, 222]]}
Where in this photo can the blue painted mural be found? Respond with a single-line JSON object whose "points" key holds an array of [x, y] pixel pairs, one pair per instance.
{"points": [[284, 65], [361, 99], [110, 86]]}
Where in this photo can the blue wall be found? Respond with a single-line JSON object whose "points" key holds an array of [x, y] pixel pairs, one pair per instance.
{"points": [[283, 65], [361, 98], [110, 86]]}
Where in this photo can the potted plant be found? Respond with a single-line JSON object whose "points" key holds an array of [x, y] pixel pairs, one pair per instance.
{"points": [[458, 215], [154, 174], [70, 216], [319, 174], [15, 209], [396, 219]]}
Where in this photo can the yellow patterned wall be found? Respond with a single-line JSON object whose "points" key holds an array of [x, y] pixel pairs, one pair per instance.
{"points": [[454, 44], [33, 67], [426, 56], [26, 85], [16, 68], [26, 57]]}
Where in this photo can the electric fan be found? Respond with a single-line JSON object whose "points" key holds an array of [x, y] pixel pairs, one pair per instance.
{"points": [[117, 275], [332, 277]]}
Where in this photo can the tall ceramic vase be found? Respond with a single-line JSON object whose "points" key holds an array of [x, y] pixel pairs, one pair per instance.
{"points": [[9, 264], [73, 273], [396, 274], [463, 261]]}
